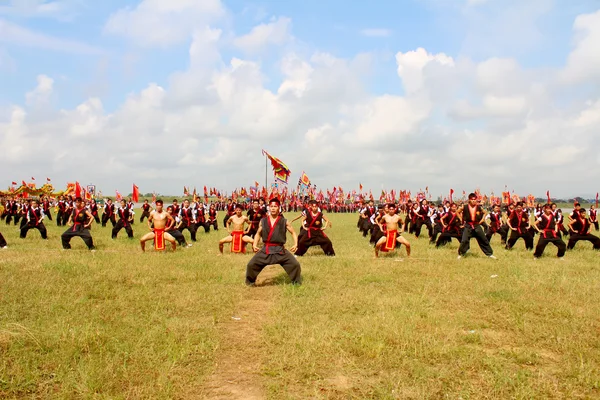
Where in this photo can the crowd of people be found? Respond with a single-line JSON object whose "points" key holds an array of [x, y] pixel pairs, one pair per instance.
{"points": [[386, 225]]}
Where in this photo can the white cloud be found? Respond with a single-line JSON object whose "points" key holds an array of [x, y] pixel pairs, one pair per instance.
{"points": [[459, 122], [59, 9], [583, 62], [276, 32], [376, 32], [158, 23], [14, 34]]}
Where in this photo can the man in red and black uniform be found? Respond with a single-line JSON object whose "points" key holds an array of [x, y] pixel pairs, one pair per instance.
{"points": [[366, 214], [495, 224], [45, 204], [422, 218], [60, 215], [93, 207], [33, 220], [229, 211], [124, 221], [69, 205], [473, 216], [255, 214], [81, 220], [188, 219], [25, 206], [146, 208], [176, 207], [594, 216], [580, 230], [109, 213], [451, 226], [272, 230], [212, 218], [315, 224], [548, 228], [201, 217], [518, 222]]}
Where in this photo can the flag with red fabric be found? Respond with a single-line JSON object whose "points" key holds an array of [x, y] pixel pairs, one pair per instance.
{"points": [[135, 194], [280, 170]]}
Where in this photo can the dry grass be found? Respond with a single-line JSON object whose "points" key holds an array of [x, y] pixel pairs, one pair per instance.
{"points": [[121, 324]]}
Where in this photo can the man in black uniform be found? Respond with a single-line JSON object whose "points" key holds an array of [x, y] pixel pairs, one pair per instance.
{"points": [[33, 220], [80, 219], [272, 230], [146, 208], [255, 214], [125, 217], [315, 223], [548, 228], [518, 222], [472, 216], [109, 213], [580, 230]]}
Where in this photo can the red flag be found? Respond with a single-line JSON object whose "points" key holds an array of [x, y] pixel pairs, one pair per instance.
{"points": [[14, 183], [451, 193], [77, 189], [596, 199], [206, 191], [548, 196], [24, 183], [118, 196], [153, 198], [48, 179], [360, 187], [32, 178], [135, 194]]}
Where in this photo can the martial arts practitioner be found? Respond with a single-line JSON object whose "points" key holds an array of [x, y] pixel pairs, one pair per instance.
{"points": [[495, 225], [93, 207], [580, 230], [272, 231], [392, 230], [255, 214], [146, 208], [238, 226], [212, 218], [109, 213], [548, 228], [158, 221], [451, 227], [45, 204], [173, 230], [518, 222], [422, 218], [125, 217], [79, 223], [34, 220], [188, 219], [473, 216], [315, 223], [62, 209], [594, 216]]}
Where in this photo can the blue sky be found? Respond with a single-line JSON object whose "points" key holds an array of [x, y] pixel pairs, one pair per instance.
{"points": [[99, 50]]}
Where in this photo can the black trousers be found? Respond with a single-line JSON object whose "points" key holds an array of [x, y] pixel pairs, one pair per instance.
{"points": [[446, 237], [214, 224], [77, 230], [515, 235], [315, 239], [419, 225], [192, 229], [178, 236], [2, 241], [106, 218], [59, 217], [262, 259], [575, 237], [543, 242], [437, 229], [204, 225], [145, 214], [48, 214], [40, 227], [474, 232], [120, 225]]}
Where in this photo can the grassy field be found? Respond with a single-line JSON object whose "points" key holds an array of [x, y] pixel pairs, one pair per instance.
{"points": [[118, 323]]}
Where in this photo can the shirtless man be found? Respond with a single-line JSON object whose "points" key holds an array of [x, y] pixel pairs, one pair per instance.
{"points": [[237, 234], [392, 233], [158, 222]]}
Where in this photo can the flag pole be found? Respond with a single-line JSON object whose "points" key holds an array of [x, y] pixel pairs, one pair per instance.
{"points": [[266, 166]]}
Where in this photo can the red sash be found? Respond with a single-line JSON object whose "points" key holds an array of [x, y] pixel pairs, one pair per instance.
{"points": [[159, 239], [237, 244], [390, 240]]}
